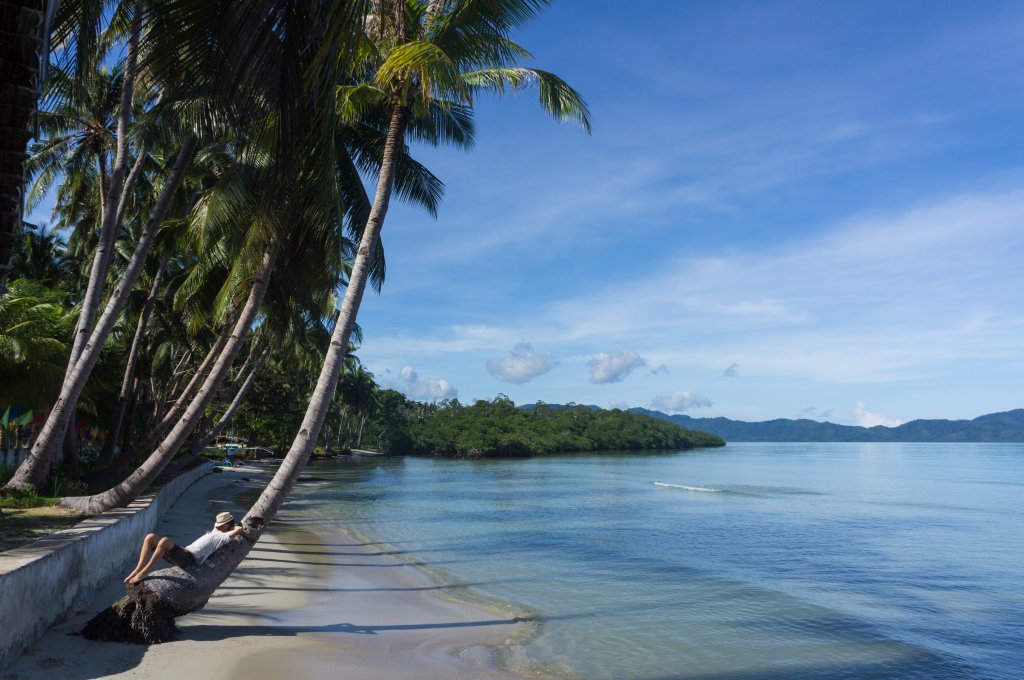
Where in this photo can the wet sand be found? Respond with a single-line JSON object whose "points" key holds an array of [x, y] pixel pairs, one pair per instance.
{"points": [[302, 606]]}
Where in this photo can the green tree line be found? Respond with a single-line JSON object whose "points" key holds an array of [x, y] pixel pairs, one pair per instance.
{"points": [[498, 428]]}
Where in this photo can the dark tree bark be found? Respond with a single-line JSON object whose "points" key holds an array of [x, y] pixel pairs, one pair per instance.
{"points": [[23, 40]]}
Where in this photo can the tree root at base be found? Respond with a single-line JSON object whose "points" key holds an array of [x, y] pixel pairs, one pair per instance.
{"points": [[140, 618]]}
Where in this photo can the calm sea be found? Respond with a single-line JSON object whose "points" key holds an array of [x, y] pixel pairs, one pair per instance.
{"points": [[752, 561]]}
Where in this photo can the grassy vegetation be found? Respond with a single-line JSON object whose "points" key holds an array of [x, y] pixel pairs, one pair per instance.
{"points": [[23, 525], [27, 515]]}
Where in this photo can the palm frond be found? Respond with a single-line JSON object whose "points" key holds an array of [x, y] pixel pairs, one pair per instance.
{"points": [[556, 96]]}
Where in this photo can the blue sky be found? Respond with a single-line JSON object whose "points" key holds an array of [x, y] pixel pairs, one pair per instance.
{"points": [[785, 209]]}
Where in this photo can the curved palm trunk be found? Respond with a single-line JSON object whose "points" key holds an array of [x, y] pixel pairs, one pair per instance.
{"points": [[133, 357], [110, 203], [147, 614], [32, 472], [201, 441], [23, 29], [189, 392], [130, 489], [129, 454]]}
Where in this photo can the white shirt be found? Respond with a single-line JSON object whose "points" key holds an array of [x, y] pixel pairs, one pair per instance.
{"points": [[207, 544]]}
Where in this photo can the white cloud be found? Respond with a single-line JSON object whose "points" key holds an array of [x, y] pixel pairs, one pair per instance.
{"points": [[866, 418], [606, 368], [677, 402], [425, 390], [522, 364], [731, 371], [659, 369]]}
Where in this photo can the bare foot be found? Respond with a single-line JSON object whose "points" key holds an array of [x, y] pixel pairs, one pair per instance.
{"points": [[137, 578], [129, 577]]}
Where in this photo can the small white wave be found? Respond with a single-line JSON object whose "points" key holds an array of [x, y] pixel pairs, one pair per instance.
{"points": [[688, 488]]}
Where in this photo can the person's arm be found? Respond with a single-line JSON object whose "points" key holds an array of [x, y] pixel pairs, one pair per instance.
{"points": [[236, 531]]}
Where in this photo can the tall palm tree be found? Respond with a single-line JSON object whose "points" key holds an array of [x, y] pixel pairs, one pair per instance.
{"points": [[79, 130], [357, 393], [421, 59]]}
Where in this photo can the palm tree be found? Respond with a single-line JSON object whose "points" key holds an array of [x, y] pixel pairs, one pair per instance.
{"points": [[424, 61], [34, 326], [357, 393], [79, 130], [43, 258]]}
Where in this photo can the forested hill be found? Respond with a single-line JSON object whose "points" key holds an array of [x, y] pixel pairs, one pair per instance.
{"points": [[994, 427], [498, 428]]}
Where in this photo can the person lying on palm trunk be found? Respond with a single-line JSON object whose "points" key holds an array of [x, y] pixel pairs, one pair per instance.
{"points": [[156, 547]]}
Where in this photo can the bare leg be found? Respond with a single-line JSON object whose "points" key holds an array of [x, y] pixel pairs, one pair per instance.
{"points": [[148, 544], [162, 546]]}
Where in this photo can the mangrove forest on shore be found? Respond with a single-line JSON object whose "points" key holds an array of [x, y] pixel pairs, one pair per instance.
{"points": [[384, 420]]}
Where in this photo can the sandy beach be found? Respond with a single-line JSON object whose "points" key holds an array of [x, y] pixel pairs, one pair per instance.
{"points": [[303, 605]]}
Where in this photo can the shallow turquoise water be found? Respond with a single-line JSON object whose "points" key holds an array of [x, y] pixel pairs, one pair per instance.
{"points": [[753, 561]]}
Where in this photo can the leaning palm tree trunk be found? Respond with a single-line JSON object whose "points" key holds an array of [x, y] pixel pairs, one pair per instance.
{"points": [[32, 472], [111, 204], [117, 467], [110, 447], [124, 493], [202, 440], [147, 613]]}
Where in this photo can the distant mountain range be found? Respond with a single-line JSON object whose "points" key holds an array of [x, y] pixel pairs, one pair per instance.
{"points": [[994, 427]]}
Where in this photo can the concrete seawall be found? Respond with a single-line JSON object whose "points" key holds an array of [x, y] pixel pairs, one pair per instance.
{"points": [[43, 582]]}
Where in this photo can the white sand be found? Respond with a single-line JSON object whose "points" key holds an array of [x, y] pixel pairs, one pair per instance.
{"points": [[301, 606]]}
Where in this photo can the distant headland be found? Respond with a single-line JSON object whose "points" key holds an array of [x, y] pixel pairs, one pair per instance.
{"points": [[1007, 426]]}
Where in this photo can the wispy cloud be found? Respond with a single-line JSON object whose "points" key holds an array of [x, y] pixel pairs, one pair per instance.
{"points": [[607, 368], [680, 401], [731, 371], [813, 413], [522, 364], [878, 298]]}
